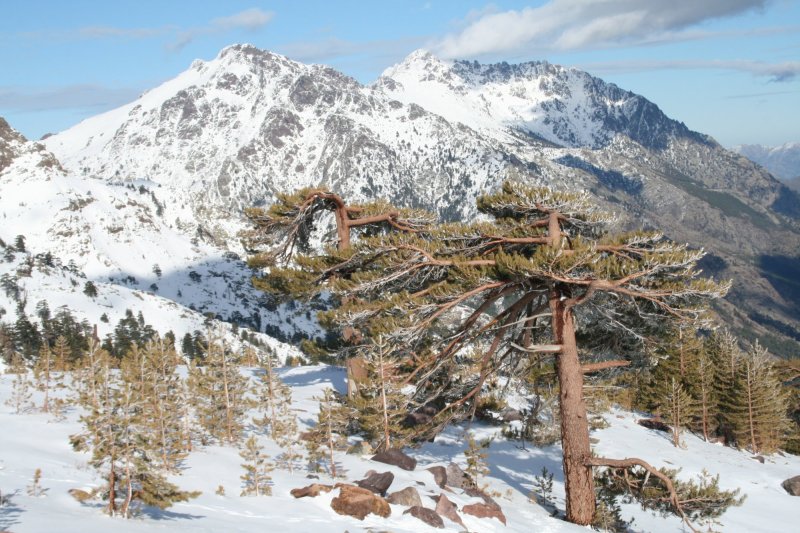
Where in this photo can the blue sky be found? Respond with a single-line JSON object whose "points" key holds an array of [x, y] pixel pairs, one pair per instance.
{"points": [[729, 68]]}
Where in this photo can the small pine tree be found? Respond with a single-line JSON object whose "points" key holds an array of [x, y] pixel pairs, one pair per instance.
{"points": [[381, 404], [20, 399], [759, 410], [330, 433], [476, 455], [706, 405], [256, 478], [284, 431], [218, 391], [42, 372], [35, 488], [726, 356], [678, 406], [90, 289], [543, 487], [269, 389]]}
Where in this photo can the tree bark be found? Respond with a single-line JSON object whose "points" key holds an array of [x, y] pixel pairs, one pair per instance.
{"points": [[578, 479]]}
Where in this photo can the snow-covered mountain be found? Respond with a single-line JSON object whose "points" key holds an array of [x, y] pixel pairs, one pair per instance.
{"points": [[561, 105], [783, 161], [230, 132]]}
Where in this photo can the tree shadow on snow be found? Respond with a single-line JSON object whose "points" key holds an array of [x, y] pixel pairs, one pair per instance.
{"points": [[155, 513], [9, 512], [305, 376]]}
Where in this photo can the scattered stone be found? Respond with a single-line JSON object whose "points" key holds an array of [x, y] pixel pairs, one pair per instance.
{"points": [[439, 475], [397, 458], [375, 482], [360, 448], [792, 485], [447, 509], [428, 516], [408, 497], [478, 493], [457, 478], [312, 476], [760, 459], [654, 423], [594, 440], [357, 502], [511, 415], [482, 510], [312, 490]]}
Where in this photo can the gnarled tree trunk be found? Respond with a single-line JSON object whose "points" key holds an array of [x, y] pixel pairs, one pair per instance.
{"points": [[578, 479]]}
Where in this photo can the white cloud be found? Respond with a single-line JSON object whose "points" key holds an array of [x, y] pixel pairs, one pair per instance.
{"points": [[15, 99], [580, 24], [252, 19], [778, 72]]}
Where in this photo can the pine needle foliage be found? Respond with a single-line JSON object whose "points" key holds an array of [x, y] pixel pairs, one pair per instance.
{"points": [[541, 264]]}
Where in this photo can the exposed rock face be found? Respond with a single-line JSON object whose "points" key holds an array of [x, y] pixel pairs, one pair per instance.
{"points": [[428, 516], [407, 497], [792, 485], [312, 490], [357, 502], [375, 482], [397, 458]]}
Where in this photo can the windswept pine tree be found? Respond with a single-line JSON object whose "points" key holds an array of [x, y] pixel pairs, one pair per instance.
{"points": [[542, 265]]}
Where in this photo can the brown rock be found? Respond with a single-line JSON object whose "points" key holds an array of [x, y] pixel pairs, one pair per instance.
{"points": [[377, 483], [792, 485], [312, 490], [428, 516], [397, 458], [654, 423], [478, 493], [408, 497], [439, 475], [457, 478], [357, 502], [482, 510], [447, 509]]}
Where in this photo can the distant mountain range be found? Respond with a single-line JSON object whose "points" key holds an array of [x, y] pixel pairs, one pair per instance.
{"points": [[233, 131], [783, 161]]}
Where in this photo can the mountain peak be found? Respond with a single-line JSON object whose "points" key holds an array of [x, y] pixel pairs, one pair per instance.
{"points": [[11, 142]]}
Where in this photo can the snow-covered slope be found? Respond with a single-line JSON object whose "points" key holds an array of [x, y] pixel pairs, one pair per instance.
{"points": [[122, 237], [513, 469]]}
